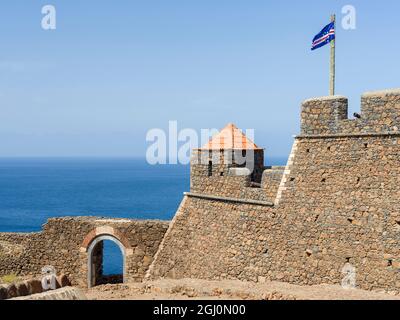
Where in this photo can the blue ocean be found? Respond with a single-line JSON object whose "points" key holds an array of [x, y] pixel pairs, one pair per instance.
{"points": [[35, 189]]}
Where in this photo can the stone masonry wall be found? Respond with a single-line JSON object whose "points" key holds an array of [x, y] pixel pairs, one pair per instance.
{"points": [[217, 163], [380, 113], [232, 186], [270, 181], [63, 240], [228, 184], [339, 209]]}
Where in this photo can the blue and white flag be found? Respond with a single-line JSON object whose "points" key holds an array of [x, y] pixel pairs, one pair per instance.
{"points": [[326, 35]]}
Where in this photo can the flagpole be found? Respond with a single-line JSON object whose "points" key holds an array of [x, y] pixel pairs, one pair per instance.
{"points": [[333, 58]]}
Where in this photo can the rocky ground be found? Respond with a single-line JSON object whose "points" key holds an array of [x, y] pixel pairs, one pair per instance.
{"points": [[228, 289]]}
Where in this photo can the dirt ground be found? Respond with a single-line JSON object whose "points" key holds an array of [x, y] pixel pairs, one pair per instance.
{"points": [[193, 289]]}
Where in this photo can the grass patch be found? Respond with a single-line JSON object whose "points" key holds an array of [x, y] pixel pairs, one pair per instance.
{"points": [[9, 278]]}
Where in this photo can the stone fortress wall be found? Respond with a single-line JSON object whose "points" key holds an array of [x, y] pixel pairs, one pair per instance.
{"points": [[380, 113], [64, 244], [336, 206], [229, 179]]}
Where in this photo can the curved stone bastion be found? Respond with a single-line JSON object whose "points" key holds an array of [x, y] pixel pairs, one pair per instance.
{"points": [[72, 245]]}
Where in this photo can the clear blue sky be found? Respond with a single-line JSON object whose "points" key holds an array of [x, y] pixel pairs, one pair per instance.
{"points": [[115, 69]]}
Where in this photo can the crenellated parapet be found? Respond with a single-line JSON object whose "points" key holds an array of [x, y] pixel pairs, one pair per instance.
{"points": [[380, 114], [323, 115]]}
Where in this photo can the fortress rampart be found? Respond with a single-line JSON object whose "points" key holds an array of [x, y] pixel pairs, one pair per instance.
{"points": [[380, 113], [332, 210], [336, 209]]}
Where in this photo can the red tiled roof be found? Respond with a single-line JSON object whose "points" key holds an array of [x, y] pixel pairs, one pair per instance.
{"points": [[230, 138]]}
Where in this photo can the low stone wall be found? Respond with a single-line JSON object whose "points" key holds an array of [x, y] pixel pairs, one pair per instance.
{"points": [[29, 287], [63, 244], [67, 293]]}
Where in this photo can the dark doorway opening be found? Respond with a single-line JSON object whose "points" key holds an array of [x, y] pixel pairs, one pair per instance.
{"points": [[106, 261]]}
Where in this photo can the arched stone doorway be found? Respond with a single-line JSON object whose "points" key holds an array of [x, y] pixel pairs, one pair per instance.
{"points": [[96, 259], [93, 247]]}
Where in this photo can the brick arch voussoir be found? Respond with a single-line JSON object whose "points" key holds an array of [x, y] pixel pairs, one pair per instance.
{"points": [[105, 230]]}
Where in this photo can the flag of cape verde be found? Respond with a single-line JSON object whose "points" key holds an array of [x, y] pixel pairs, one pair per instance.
{"points": [[326, 35]]}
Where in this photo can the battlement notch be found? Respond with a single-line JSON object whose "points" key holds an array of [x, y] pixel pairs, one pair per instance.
{"points": [[380, 114], [323, 115]]}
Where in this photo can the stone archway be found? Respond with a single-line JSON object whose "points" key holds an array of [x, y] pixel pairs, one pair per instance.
{"points": [[93, 247], [95, 259]]}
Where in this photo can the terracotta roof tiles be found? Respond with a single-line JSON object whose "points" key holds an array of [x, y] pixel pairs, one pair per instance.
{"points": [[230, 138]]}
